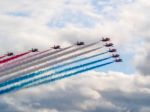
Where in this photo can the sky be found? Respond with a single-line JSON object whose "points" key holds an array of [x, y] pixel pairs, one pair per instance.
{"points": [[123, 87]]}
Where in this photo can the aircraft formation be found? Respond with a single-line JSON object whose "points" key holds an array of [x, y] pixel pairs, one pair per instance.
{"points": [[34, 68]]}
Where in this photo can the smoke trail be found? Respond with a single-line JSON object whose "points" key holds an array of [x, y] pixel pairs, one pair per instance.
{"points": [[17, 87], [16, 62], [47, 70], [69, 75], [2, 57], [44, 60], [67, 69], [52, 63], [19, 64], [64, 70], [14, 57], [78, 60], [29, 60]]}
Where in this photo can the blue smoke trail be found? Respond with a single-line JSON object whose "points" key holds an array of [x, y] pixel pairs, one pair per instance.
{"points": [[70, 74], [47, 70], [17, 87], [67, 69]]}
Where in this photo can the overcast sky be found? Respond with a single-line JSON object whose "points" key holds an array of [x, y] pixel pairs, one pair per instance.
{"points": [[42, 23]]}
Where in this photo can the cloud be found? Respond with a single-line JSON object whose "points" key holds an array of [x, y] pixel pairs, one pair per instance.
{"points": [[142, 61], [112, 91], [41, 24], [57, 22]]}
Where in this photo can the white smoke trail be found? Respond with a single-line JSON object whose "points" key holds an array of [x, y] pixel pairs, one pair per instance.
{"points": [[35, 62]]}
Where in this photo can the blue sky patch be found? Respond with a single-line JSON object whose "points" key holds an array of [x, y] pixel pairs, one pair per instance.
{"points": [[18, 14], [77, 18]]}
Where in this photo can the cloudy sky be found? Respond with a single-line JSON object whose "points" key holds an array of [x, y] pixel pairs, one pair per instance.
{"points": [[121, 87]]}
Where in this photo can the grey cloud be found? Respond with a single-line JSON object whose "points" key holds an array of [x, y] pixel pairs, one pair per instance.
{"points": [[131, 102], [92, 93], [142, 59]]}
